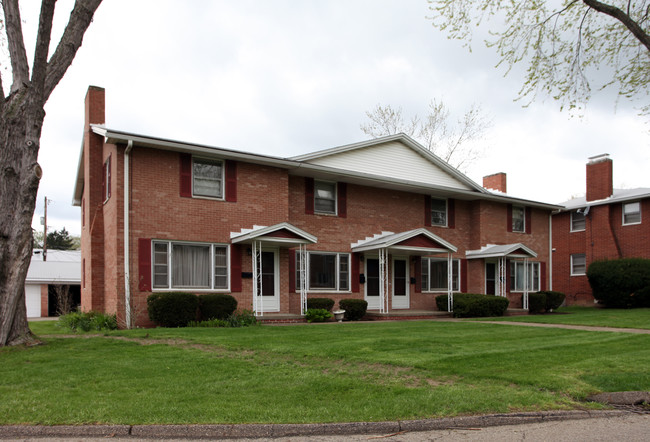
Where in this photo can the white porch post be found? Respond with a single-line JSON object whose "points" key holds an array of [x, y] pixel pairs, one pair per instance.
{"points": [[501, 280], [258, 307], [450, 283], [525, 295], [383, 281], [302, 255]]}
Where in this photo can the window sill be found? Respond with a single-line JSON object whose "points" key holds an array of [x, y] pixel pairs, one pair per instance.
{"points": [[209, 198], [575, 231], [631, 224]]}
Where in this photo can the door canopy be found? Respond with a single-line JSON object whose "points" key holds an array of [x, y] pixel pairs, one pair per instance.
{"points": [[281, 235], [515, 251], [413, 242]]}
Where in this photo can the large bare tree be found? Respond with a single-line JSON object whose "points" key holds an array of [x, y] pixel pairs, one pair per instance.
{"points": [[570, 47], [21, 120]]}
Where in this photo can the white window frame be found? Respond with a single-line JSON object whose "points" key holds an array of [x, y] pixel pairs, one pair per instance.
{"points": [[446, 214], [335, 195], [638, 203], [584, 220], [523, 219], [339, 273], [573, 257], [533, 283], [222, 179], [169, 264], [455, 282]]}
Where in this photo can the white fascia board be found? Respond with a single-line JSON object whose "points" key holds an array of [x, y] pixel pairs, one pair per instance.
{"points": [[77, 192]]}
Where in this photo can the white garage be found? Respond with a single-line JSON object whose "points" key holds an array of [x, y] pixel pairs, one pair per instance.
{"points": [[62, 268]]}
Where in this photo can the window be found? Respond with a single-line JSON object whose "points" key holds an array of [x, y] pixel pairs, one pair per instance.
{"points": [[324, 197], [632, 213], [326, 271], [519, 278], [207, 178], [106, 179], [438, 212], [434, 274], [518, 219], [199, 266], [577, 221], [578, 264]]}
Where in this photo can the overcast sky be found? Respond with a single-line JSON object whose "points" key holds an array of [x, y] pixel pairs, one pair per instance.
{"points": [[289, 77]]}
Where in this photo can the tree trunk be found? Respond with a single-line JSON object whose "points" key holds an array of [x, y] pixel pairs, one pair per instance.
{"points": [[21, 120]]}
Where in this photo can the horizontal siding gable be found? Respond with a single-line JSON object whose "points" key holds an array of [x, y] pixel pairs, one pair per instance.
{"points": [[392, 160]]}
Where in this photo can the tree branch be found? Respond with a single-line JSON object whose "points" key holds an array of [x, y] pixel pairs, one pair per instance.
{"points": [[39, 67], [624, 18], [80, 18], [19, 66]]}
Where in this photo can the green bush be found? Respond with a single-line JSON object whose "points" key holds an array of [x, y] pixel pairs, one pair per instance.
{"points": [[210, 323], [87, 321], [317, 315], [320, 303], [355, 309], [242, 318], [471, 305], [553, 300], [173, 309], [216, 306], [620, 283], [536, 302]]}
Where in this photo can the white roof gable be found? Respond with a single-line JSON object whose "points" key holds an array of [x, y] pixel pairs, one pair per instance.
{"points": [[396, 157]]}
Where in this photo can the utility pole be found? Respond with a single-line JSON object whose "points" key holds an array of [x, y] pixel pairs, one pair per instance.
{"points": [[45, 232]]}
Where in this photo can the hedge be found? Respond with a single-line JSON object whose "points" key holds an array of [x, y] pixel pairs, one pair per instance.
{"points": [[471, 305], [355, 309], [320, 303], [536, 302], [553, 299], [621, 283], [172, 309], [216, 306]]}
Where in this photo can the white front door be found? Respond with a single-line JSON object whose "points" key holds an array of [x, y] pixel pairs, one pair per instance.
{"points": [[269, 293], [400, 283], [372, 283]]}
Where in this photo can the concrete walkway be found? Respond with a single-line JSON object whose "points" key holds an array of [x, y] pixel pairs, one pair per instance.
{"points": [[570, 327]]}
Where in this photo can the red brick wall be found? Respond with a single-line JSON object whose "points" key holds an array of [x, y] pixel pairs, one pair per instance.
{"points": [[605, 237]]}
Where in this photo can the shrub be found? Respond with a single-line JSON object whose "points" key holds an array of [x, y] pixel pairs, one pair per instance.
{"points": [[210, 323], [471, 305], [355, 309], [87, 321], [216, 306], [553, 300], [173, 309], [320, 303], [618, 283], [242, 318], [536, 302], [317, 315]]}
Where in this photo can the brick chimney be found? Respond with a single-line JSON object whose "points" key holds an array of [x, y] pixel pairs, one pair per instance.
{"points": [[496, 182], [599, 177]]}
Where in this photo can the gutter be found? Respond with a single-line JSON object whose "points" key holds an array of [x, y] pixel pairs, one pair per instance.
{"points": [[127, 273]]}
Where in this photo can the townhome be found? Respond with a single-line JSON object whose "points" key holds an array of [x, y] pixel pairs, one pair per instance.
{"points": [[606, 223], [383, 220]]}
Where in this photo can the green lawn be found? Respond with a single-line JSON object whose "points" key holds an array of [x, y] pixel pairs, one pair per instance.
{"points": [[600, 317], [313, 373]]}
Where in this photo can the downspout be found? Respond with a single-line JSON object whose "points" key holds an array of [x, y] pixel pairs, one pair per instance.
{"points": [[550, 251], [127, 273]]}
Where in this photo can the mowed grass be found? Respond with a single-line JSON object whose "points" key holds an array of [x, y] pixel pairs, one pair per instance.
{"points": [[313, 373], [592, 316]]}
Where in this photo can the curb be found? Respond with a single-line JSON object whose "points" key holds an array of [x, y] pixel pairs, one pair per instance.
{"points": [[293, 430]]}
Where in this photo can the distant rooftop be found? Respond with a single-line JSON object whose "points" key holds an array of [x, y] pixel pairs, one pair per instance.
{"points": [[61, 267], [619, 196]]}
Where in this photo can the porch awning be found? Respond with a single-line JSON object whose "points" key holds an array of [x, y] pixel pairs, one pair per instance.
{"points": [[415, 242], [517, 250], [282, 234]]}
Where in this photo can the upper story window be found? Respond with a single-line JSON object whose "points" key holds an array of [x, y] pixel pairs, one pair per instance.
{"points": [[524, 276], [578, 264], [207, 178], [438, 212], [325, 197], [518, 219], [197, 266], [435, 276], [578, 221], [326, 271], [632, 213]]}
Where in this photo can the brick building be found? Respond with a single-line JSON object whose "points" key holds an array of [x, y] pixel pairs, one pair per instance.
{"points": [[606, 223], [383, 220]]}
